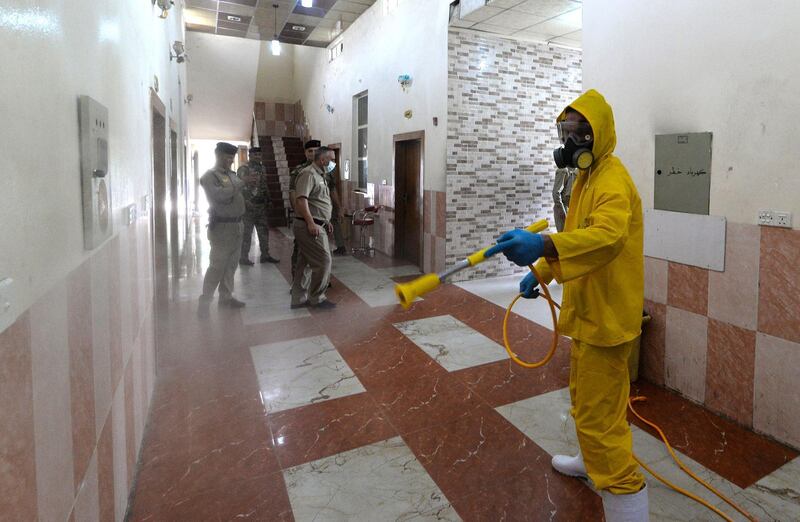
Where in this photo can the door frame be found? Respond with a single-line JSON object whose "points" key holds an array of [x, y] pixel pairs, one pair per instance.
{"points": [[412, 136], [159, 304]]}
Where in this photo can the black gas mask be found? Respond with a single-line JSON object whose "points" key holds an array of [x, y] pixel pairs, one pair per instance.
{"points": [[578, 139]]}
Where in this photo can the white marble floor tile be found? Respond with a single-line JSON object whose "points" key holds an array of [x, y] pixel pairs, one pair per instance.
{"points": [[774, 498], [452, 343], [382, 481], [300, 372], [501, 290], [371, 285], [266, 293], [546, 420]]}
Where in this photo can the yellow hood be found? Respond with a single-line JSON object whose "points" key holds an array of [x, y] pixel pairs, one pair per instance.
{"points": [[597, 111]]}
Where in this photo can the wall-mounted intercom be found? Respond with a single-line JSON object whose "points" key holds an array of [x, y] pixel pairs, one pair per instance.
{"points": [[96, 186]]}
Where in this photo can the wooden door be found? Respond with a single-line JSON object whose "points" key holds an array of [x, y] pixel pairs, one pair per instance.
{"points": [[408, 200]]}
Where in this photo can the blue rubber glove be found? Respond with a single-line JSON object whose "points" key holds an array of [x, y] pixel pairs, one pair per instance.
{"points": [[519, 246], [528, 286]]}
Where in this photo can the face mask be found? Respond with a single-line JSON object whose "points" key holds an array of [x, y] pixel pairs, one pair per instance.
{"points": [[574, 155], [330, 166]]}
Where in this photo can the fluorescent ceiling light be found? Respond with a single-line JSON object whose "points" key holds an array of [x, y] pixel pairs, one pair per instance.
{"points": [[307, 3]]}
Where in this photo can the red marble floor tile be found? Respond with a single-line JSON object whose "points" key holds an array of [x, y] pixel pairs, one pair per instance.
{"points": [[319, 430], [17, 451], [779, 284], [173, 416], [730, 371], [537, 494], [733, 452], [105, 471], [260, 498], [478, 449], [425, 402], [653, 343], [687, 288], [379, 366], [504, 382], [81, 368], [205, 459], [278, 331]]}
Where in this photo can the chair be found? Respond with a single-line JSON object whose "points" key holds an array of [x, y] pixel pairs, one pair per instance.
{"points": [[365, 219]]}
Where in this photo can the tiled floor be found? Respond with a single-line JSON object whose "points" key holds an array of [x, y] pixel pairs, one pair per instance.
{"points": [[371, 412]]}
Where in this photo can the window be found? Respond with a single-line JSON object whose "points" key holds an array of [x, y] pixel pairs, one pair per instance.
{"points": [[335, 50], [361, 118]]}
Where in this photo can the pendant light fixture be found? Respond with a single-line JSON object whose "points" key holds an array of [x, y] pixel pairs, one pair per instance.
{"points": [[276, 45]]}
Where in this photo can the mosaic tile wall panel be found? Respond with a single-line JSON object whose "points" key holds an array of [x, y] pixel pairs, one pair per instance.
{"points": [[503, 97], [280, 119]]}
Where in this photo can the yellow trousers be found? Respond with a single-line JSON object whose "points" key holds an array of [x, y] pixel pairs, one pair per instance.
{"points": [[599, 387]]}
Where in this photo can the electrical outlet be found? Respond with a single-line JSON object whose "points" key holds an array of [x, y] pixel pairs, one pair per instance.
{"points": [[766, 217], [783, 219]]}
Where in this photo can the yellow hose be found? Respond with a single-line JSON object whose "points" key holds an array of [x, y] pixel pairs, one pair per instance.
{"points": [[545, 291]]}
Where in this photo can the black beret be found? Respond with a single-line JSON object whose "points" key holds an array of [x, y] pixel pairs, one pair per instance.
{"points": [[226, 148], [256, 150], [311, 144]]}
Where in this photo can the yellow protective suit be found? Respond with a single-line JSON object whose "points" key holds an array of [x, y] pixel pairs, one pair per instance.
{"points": [[601, 266]]}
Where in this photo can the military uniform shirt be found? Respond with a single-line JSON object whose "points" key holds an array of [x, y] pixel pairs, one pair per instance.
{"points": [[312, 186], [295, 173], [224, 192]]}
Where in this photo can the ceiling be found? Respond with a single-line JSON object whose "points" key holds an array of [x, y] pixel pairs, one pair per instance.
{"points": [[316, 26], [551, 21]]}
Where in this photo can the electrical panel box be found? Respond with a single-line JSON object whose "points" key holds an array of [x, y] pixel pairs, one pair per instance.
{"points": [[683, 172], [96, 187]]}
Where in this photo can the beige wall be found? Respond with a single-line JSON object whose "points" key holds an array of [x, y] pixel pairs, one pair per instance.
{"points": [[729, 67], [388, 40], [110, 51], [222, 81], [275, 81]]}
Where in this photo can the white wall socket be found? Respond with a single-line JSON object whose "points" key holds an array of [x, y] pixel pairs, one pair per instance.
{"points": [[783, 219], [774, 218]]}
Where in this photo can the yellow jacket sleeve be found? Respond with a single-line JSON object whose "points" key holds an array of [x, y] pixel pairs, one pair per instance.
{"points": [[584, 250]]}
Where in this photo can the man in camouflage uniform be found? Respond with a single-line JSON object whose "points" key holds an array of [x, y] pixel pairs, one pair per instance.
{"points": [[310, 147], [256, 200]]}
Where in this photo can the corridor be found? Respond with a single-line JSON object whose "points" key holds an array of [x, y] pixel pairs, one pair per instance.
{"points": [[370, 412]]}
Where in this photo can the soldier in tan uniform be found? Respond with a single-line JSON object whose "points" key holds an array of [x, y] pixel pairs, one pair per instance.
{"points": [[223, 190], [310, 147], [311, 228]]}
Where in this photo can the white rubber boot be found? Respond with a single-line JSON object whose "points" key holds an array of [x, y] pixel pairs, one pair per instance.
{"points": [[570, 466], [626, 508]]}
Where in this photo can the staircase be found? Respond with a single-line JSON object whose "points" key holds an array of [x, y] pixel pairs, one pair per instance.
{"points": [[276, 213]]}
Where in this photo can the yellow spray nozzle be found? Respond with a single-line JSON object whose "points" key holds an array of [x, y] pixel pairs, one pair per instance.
{"points": [[408, 292]]}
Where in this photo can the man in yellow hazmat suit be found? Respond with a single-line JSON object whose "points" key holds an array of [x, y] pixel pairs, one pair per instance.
{"points": [[600, 262]]}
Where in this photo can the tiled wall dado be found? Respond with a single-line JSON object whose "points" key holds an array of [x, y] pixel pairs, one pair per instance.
{"points": [[731, 340], [503, 98], [76, 374], [280, 119]]}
